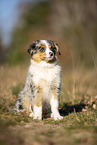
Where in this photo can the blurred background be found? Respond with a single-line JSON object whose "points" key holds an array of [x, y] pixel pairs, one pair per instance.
{"points": [[73, 24]]}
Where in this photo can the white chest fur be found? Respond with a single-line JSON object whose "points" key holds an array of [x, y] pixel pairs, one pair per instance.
{"points": [[44, 74]]}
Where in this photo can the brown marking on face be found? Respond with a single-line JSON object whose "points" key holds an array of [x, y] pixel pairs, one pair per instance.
{"points": [[50, 46], [57, 48], [43, 46], [31, 51], [38, 57]]}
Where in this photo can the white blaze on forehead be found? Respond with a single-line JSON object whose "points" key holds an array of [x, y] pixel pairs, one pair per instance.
{"points": [[47, 47]]}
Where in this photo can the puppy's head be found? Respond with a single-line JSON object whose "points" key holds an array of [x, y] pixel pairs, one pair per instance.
{"points": [[44, 50]]}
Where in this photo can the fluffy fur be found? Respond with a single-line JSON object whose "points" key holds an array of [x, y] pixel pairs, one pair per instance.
{"points": [[42, 88]]}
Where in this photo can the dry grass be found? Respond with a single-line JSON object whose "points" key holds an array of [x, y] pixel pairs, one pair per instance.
{"points": [[78, 105]]}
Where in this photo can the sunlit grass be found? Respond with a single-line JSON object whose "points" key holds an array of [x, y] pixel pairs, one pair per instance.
{"points": [[78, 102], [78, 105]]}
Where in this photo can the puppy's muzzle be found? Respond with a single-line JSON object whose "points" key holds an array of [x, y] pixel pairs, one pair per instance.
{"points": [[51, 54]]}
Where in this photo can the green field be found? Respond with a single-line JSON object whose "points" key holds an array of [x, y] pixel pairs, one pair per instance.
{"points": [[78, 105]]}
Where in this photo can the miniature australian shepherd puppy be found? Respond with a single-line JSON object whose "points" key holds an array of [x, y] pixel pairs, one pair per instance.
{"points": [[43, 84]]}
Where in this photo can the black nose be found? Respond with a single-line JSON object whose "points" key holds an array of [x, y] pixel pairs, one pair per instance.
{"points": [[51, 54]]}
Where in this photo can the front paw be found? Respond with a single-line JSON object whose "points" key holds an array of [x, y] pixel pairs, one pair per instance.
{"points": [[38, 117], [37, 113], [56, 116], [31, 114]]}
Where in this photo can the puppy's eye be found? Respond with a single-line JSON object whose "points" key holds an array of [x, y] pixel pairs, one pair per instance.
{"points": [[42, 49], [52, 48]]}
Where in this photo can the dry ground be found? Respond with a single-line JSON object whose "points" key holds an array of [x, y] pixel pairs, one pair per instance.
{"points": [[78, 105]]}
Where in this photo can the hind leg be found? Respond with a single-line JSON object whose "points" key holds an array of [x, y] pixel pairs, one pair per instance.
{"points": [[19, 105], [24, 105]]}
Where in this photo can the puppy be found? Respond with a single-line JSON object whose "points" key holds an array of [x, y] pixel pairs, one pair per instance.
{"points": [[43, 84]]}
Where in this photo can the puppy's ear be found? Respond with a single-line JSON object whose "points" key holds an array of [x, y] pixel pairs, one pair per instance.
{"points": [[57, 48], [32, 47], [55, 45]]}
